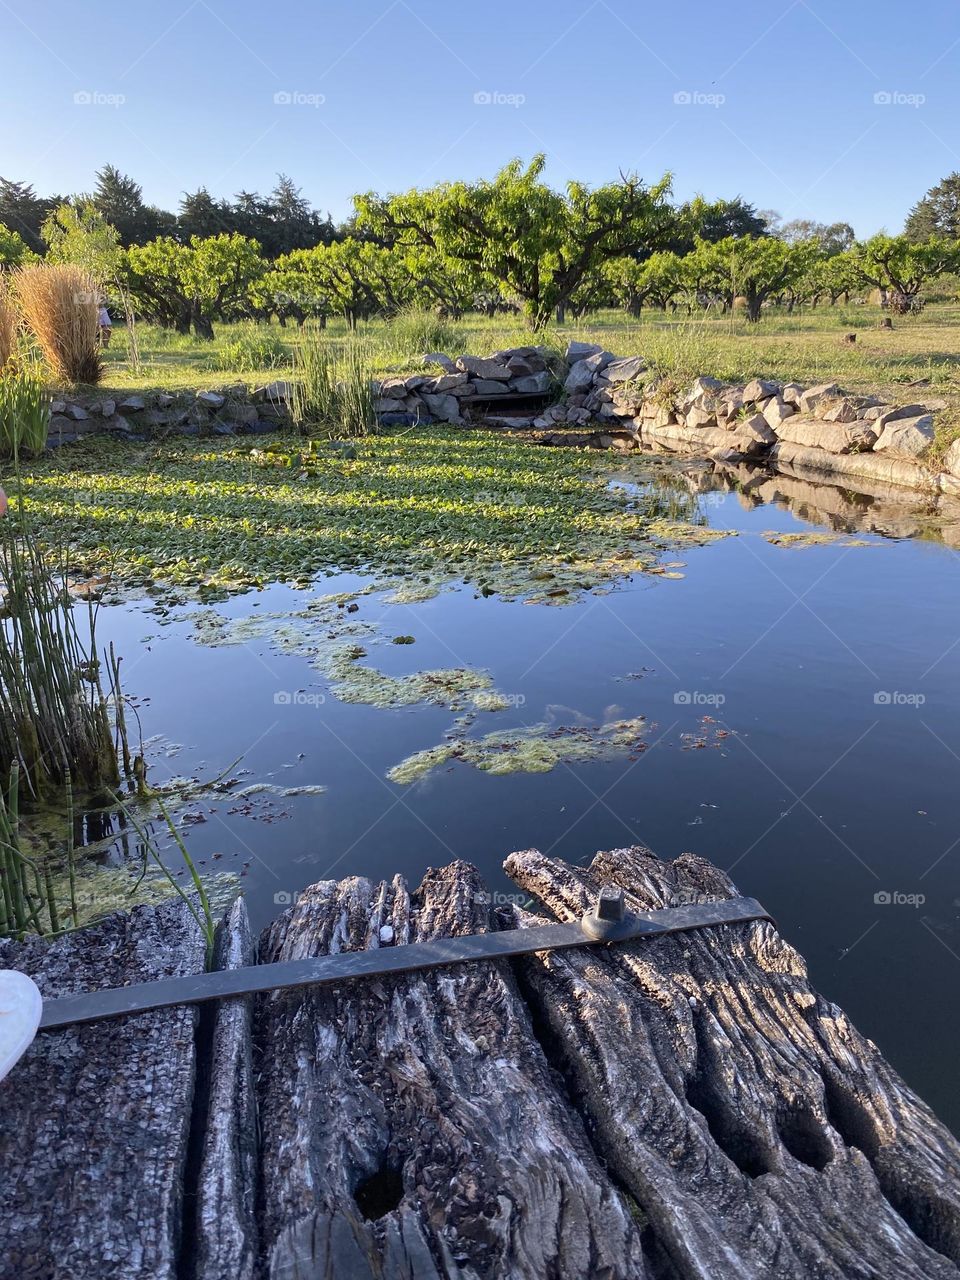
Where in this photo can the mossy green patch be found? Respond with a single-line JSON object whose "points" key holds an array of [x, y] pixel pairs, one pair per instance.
{"points": [[813, 539], [536, 749]]}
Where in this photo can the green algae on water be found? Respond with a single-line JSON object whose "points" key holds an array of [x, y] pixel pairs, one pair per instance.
{"points": [[536, 749]]}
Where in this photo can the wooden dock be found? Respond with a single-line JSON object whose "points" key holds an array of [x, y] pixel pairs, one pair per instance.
{"points": [[676, 1108]]}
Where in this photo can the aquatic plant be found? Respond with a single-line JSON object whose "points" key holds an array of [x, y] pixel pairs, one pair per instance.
{"points": [[60, 304], [55, 690], [24, 409], [28, 894], [333, 392], [536, 749]]}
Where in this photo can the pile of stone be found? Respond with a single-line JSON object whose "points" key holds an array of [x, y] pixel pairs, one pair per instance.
{"points": [[456, 394], [149, 415]]}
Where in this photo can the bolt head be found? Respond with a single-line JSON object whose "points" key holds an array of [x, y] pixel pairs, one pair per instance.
{"points": [[610, 904]]}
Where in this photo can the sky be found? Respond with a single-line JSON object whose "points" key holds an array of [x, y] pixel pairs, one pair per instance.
{"points": [[838, 112]]}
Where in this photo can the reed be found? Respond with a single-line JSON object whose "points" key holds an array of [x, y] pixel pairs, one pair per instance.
{"points": [[334, 393], [8, 327], [24, 408], [60, 304], [55, 721]]}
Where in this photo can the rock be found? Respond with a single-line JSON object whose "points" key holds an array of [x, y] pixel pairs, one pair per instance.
{"points": [[107, 408], [792, 393], [843, 411], [490, 387], [900, 411], [624, 370], [278, 392], [437, 357], [445, 408], [760, 389], [484, 367], [76, 413], [906, 437], [700, 417], [577, 351], [386, 404], [212, 399], [755, 427], [834, 437], [580, 376], [535, 384], [519, 366], [57, 406], [873, 412], [116, 423], [951, 459], [813, 396], [777, 410], [436, 386], [164, 400]]}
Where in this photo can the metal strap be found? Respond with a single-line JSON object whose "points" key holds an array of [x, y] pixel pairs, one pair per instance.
{"points": [[608, 923]]}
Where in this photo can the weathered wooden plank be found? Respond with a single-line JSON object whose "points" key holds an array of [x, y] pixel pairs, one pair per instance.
{"points": [[95, 1120], [225, 1242], [758, 1131], [411, 1127]]}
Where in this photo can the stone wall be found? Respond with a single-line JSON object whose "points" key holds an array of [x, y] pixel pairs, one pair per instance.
{"points": [[589, 398]]}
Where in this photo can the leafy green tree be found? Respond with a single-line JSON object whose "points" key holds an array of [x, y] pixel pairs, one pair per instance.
{"points": [[660, 280], [531, 242], [181, 286], [938, 213], [81, 235], [899, 267], [755, 269], [13, 249]]}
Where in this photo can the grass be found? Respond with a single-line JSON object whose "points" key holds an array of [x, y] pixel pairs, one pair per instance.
{"points": [[334, 393], [24, 410], [499, 512], [60, 306]]}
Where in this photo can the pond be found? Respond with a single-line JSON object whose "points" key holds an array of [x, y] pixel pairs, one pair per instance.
{"points": [[788, 708]]}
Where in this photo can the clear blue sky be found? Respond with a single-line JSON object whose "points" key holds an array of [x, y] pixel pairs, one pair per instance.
{"points": [[782, 107]]}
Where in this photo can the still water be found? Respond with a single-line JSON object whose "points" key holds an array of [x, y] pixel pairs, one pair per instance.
{"points": [[802, 709]]}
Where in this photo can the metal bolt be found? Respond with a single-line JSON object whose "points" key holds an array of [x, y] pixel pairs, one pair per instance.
{"points": [[610, 904]]}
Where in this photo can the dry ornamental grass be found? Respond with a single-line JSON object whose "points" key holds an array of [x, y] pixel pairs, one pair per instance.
{"points": [[60, 305]]}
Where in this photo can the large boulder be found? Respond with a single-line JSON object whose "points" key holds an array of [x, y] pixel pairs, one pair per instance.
{"points": [[897, 412], [760, 389], [437, 357], [536, 384], [484, 367], [951, 459], [834, 437], [906, 437], [777, 411], [490, 387], [580, 376], [445, 382]]}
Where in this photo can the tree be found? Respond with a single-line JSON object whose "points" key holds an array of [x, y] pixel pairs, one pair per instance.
{"points": [[355, 277], [81, 235], [899, 267], [182, 285], [660, 279], [519, 235], [22, 211], [13, 249], [834, 237], [938, 213], [119, 200], [754, 268]]}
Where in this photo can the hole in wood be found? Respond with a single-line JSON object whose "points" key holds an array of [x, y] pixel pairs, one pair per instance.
{"points": [[379, 1194], [804, 1137], [850, 1118]]}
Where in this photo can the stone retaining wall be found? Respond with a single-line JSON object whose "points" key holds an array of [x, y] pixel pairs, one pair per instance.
{"points": [[599, 400]]}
